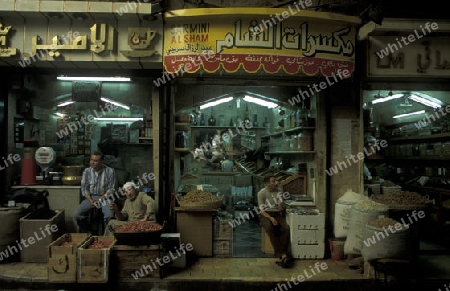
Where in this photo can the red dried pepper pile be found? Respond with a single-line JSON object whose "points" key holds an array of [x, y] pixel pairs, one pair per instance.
{"points": [[139, 226], [99, 245]]}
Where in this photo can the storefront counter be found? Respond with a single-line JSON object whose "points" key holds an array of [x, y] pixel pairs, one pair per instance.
{"points": [[61, 197], [196, 227]]}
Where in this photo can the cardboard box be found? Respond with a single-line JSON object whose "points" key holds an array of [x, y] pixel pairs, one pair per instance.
{"points": [[308, 236], [134, 262], [302, 222], [62, 260], [196, 227], [316, 251], [94, 264], [37, 234], [222, 229], [223, 248]]}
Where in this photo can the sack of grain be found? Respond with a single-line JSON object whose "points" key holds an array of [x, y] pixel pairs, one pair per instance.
{"points": [[342, 212], [362, 212], [386, 238]]}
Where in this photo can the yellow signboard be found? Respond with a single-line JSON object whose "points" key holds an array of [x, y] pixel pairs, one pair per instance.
{"points": [[303, 42]]}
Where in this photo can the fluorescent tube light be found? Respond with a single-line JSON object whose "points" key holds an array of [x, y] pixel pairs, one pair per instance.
{"points": [[115, 103], [65, 103], [216, 102], [425, 101], [100, 79], [380, 100], [408, 114], [60, 114], [261, 102], [119, 118]]}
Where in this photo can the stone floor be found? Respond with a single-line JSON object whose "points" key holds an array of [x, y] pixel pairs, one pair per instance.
{"points": [[431, 273], [251, 270]]}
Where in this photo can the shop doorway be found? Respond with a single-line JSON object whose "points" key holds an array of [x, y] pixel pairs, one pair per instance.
{"points": [[237, 137]]}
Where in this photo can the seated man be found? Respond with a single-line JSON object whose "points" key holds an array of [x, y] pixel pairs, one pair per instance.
{"points": [[271, 206], [97, 183], [137, 206]]}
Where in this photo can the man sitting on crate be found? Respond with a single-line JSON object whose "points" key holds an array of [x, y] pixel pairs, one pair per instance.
{"points": [[137, 206], [272, 219]]}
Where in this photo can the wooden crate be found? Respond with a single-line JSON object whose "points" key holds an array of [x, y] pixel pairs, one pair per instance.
{"points": [[296, 184], [38, 237], [134, 262], [223, 248], [222, 229], [62, 260], [94, 264]]}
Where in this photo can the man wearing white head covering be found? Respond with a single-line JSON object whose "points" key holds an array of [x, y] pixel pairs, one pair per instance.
{"points": [[138, 206]]}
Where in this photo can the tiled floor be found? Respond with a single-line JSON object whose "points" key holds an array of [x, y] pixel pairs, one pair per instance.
{"points": [[247, 240]]}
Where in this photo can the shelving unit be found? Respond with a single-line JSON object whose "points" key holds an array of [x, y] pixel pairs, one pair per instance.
{"points": [[290, 152], [438, 136], [290, 130], [181, 127]]}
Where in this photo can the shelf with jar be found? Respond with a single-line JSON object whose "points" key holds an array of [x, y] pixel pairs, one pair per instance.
{"points": [[290, 130], [182, 132], [301, 143]]}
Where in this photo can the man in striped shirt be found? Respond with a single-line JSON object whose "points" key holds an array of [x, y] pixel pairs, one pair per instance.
{"points": [[97, 183]]}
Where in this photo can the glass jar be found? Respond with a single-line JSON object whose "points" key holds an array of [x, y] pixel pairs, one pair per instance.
{"points": [[285, 144], [294, 143]]}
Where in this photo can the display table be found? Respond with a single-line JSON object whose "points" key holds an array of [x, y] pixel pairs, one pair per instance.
{"points": [[61, 197], [196, 227]]}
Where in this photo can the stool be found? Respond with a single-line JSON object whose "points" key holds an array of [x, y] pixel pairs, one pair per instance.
{"points": [[96, 221], [398, 268], [266, 245]]}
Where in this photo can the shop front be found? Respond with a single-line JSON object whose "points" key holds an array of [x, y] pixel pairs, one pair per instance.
{"points": [[405, 100], [79, 79], [250, 95]]}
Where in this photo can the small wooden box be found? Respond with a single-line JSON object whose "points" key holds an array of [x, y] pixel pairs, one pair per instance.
{"points": [[39, 237], [94, 264], [296, 184], [222, 229], [134, 262], [62, 260], [223, 248]]}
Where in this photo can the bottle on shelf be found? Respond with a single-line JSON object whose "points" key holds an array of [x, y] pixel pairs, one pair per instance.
{"points": [[238, 120], [266, 125], [312, 116], [246, 118], [212, 120], [202, 119], [142, 133], [255, 120]]}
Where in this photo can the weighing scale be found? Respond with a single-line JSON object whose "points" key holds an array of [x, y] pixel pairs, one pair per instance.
{"points": [[45, 158]]}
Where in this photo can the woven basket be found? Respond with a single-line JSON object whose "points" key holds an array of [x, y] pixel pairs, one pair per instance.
{"points": [[390, 189], [201, 205]]}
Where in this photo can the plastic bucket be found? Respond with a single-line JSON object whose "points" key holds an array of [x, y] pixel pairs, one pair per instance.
{"points": [[337, 248]]}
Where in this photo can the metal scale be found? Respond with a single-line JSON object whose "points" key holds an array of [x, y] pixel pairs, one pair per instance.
{"points": [[45, 158]]}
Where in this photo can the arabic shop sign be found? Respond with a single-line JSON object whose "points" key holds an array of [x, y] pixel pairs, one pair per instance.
{"points": [[101, 38], [295, 45], [394, 56]]}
